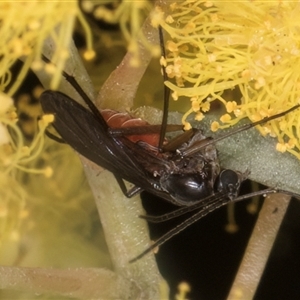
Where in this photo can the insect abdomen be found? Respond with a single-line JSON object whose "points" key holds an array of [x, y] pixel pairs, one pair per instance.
{"points": [[116, 119]]}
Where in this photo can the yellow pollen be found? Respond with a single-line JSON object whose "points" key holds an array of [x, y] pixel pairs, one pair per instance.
{"points": [[205, 106], [171, 46], [89, 54], [214, 126], [163, 61], [291, 143], [199, 116], [231, 106], [187, 126], [169, 19], [281, 147], [225, 118], [49, 118], [175, 96]]}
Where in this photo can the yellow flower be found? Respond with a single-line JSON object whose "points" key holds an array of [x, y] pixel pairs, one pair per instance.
{"points": [[130, 16], [26, 26], [251, 46]]}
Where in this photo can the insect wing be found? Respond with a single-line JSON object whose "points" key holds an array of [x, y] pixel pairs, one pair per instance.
{"points": [[89, 136], [79, 128]]}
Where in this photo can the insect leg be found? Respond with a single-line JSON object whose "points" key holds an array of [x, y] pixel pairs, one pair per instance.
{"points": [[183, 210], [142, 130], [166, 92], [82, 93], [211, 205], [128, 193], [216, 203], [54, 137]]}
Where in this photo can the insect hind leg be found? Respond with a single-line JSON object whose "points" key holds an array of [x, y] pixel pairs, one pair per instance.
{"points": [[54, 137], [71, 79], [129, 193]]}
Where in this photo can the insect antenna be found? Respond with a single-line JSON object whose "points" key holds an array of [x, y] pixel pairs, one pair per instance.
{"points": [[197, 146]]}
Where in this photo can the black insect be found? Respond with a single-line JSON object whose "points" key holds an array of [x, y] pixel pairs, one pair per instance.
{"points": [[184, 171]]}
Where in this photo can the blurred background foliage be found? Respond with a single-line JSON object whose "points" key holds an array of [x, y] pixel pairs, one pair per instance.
{"points": [[50, 219]]}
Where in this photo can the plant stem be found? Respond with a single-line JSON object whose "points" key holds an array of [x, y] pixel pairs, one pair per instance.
{"points": [[259, 247]]}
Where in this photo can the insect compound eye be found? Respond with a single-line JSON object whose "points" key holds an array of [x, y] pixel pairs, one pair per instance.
{"points": [[229, 181], [186, 188]]}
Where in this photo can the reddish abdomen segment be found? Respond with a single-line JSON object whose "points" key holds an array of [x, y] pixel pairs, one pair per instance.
{"points": [[116, 119]]}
